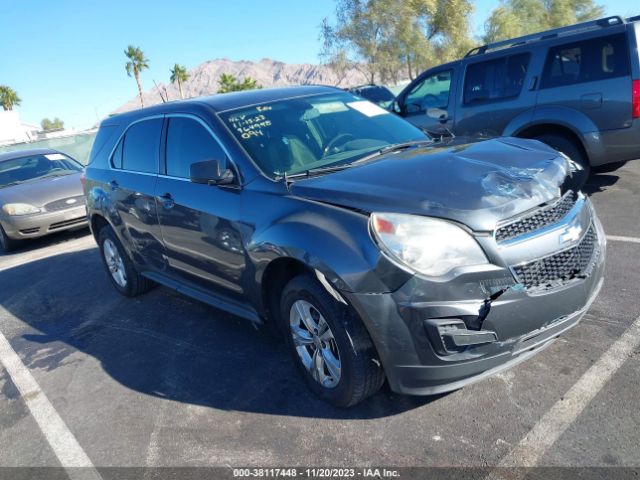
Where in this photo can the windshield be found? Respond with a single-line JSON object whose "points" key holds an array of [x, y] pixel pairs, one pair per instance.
{"points": [[32, 167], [299, 134]]}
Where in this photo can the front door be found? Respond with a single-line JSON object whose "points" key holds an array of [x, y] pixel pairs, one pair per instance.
{"points": [[427, 104], [198, 222]]}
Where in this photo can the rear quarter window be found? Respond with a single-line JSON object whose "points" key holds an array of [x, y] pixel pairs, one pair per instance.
{"points": [[105, 135], [587, 61]]}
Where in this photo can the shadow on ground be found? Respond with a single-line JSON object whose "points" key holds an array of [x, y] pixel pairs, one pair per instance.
{"points": [[30, 245], [161, 343], [599, 181]]}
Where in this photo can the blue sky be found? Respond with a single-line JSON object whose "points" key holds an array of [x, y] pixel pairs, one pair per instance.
{"points": [[65, 58]]}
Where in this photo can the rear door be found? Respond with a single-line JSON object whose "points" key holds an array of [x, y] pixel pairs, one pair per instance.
{"points": [[495, 90], [132, 182], [199, 222], [593, 76]]}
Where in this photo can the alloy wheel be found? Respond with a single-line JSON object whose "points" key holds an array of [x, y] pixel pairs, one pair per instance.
{"points": [[315, 344], [114, 263]]}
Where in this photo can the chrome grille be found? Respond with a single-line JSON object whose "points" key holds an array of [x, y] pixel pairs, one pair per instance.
{"points": [[540, 219], [63, 204], [562, 267]]}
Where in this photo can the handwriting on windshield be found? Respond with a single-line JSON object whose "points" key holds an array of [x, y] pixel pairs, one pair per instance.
{"points": [[250, 126]]}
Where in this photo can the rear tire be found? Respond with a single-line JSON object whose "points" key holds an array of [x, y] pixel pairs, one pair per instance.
{"points": [[120, 269], [7, 244], [338, 361], [571, 150]]}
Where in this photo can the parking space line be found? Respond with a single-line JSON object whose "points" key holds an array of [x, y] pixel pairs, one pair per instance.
{"points": [[63, 443], [618, 238], [553, 424]]}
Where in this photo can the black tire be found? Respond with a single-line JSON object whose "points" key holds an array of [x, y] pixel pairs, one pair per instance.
{"points": [[361, 371], [135, 284], [7, 244], [573, 151]]}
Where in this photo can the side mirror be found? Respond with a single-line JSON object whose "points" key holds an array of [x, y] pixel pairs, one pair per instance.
{"points": [[210, 172]]}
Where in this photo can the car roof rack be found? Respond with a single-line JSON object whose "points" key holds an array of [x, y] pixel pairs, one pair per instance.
{"points": [[549, 34]]}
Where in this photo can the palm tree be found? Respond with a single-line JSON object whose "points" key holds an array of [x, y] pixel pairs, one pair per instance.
{"points": [[179, 74], [229, 83], [9, 98], [137, 62]]}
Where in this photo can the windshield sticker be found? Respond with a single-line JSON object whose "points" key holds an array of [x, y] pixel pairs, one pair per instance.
{"points": [[250, 126], [330, 107], [54, 156], [367, 108]]}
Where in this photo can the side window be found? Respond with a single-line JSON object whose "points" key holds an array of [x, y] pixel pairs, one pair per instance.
{"points": [[586, 61], [139, 149], [116, 159], [189, 142], [431, 92], [496, 79]]}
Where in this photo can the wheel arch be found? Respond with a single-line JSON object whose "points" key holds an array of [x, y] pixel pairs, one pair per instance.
{"points": [[276, 275], [536, 130], [96, 222]]}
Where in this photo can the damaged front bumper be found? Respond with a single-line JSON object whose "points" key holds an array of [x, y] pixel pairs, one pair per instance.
{"points": [[437, 336]]}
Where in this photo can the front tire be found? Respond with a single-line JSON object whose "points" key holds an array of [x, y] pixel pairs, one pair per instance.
{"points": [[120, 269], [6, 244], [329, 344]]}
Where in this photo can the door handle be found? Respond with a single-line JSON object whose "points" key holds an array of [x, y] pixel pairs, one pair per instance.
{"points": [[114, 185], [167, 200]]}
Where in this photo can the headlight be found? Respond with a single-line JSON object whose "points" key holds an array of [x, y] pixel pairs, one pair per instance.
{"points": [[19, 209], [428, 245]]}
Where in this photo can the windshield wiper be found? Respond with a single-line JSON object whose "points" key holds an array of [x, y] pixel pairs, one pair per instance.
{"points": [[343, 166], [11, 184], [395, 147], [317, 171]]}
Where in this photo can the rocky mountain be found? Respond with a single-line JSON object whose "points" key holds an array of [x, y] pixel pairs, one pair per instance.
{"points": [[203, 79]]}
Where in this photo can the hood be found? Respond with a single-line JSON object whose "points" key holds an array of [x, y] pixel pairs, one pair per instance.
{"points": [[40, 192], [477, 184]]}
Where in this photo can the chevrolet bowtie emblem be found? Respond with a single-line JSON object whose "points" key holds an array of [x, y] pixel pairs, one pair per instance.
{"points": [[571, 234]]}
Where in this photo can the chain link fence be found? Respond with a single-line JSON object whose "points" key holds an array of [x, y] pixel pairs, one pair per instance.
{"points": [[77, 145]]}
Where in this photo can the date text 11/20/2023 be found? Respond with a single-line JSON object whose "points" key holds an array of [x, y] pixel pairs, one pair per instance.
{"points": [[315, 472]]}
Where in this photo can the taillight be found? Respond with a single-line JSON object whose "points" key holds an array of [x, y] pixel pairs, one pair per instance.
{"points": [[635, 99]]}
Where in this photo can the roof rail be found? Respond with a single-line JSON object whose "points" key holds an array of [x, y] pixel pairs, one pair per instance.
{"points": [[554, 33]]}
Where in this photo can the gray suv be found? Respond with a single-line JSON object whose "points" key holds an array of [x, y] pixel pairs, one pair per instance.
{"points": [[575, 88], [375, 252]]}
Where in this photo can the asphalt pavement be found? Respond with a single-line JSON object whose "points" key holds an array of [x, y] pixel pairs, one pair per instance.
{"points": [[94, 378]]}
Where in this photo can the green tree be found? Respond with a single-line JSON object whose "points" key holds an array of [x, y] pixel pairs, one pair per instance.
{"points": [[179, 75], [51, 125], [514, 18], [386, 39], [229, 83], [137, 62], [9, 98]]}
